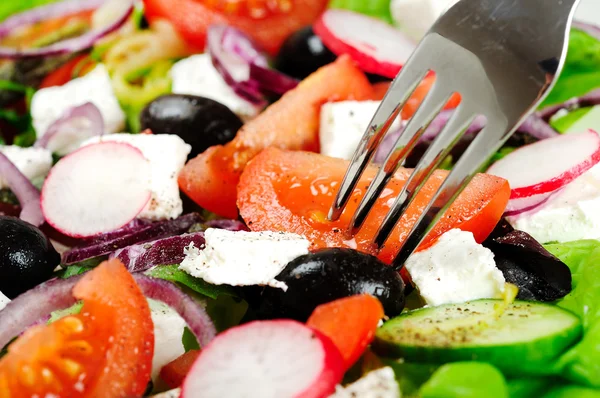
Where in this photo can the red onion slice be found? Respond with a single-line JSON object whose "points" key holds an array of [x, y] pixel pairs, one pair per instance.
{"points": [[230, 225], [143, 233], [76, 125], [36, 304], [522, 205], [592, 30], [54, 10], [243, 66], [24, 190], [190, 310], [590, 99]]}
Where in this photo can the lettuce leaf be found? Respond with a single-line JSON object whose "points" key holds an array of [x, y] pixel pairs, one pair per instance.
{"points": [[7, 7], [374, 8], [581, 73], [466, 380], [581, 363]]}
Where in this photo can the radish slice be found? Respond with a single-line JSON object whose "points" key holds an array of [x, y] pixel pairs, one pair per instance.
{"points": [[280, 358], [548, 165], [522, 205], [96, 189], [376, 46]]}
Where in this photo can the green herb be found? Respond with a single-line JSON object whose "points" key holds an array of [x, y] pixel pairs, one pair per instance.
{"points": [[172, 273], [189, 341]]}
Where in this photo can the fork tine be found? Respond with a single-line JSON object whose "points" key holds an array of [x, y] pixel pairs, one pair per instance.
{"points": [[482, 148], [430, 107], [399, 92], [439, 149]]}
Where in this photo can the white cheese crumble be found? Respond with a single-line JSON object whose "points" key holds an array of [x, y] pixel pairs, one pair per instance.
{"points": [[196, 75], [241, 258], [455, 269], [34, 163], [176, 393], [343, 124], [415, 17], [168, 330], [167, 154], [49, 104], [3, 301], [380, 383], [571, 214]]}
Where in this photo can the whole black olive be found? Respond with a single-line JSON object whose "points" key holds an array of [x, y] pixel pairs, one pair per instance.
{"points": [[303, 53], [199, 121], [327, 275], [27, 257]]}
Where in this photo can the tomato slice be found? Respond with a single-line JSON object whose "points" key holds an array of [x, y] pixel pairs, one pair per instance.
{"points": [[293, 191], [350, 323], [104, 351], [268, 22], [175, 371], [291, 123]]}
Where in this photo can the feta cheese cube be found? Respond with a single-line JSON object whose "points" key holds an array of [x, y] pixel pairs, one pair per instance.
{"points": [[571, 214], [343, 125], [49, 104], [380, 383], [168, 330], [34, 163], [167, 154], [3, 301], [196, 75], [455, 269], [241, 258], [415, 17]]}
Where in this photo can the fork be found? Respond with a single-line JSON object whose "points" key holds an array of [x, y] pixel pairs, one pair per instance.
{"points": [[502, 57]]}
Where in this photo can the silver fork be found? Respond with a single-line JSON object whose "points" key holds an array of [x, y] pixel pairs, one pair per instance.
{"points": [[503, 57]]}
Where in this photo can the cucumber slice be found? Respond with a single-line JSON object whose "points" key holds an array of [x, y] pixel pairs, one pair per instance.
{"points": [[526, 335]]}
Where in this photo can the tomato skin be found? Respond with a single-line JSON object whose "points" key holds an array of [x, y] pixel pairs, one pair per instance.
{"points": [[104, 351], [66, 72], [192, 18], [350, 323], [419, 95], [175, 371], [211, 178], [293, 191]]}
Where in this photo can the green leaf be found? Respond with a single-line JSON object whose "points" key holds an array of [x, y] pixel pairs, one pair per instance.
{"points": [[563, 124], [581, 363], [374, 8], [528, 387], [172, 273], [572, 391], [74, 309], [72, 270], [466, 380], [226, 311], [581, 73], [189, 341], [9, 7]]}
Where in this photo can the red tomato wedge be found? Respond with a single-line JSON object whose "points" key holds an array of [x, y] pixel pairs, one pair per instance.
{"points": [[293, 191], [268, 22], [291, 123], [104, 351], [76, 67], [350, 323], [175, 371]]}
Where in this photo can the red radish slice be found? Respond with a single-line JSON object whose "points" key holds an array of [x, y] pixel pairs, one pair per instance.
{"points": [[280, 358], [96, 189], [522, 205], [548, 165], [376, 46]]}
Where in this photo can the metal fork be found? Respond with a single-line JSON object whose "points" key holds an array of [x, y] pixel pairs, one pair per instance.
{"points": [[503, 57]]}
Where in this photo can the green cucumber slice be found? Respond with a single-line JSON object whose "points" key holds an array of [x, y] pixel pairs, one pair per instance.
{"points": [[526, 335]]}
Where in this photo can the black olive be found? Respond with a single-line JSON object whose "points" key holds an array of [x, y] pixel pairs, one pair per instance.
{"points": [[27, 258], [199, 121], [327, 275], [303, 53]]}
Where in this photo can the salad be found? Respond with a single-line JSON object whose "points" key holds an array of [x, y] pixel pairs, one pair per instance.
{"points": [[166, 169]]}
